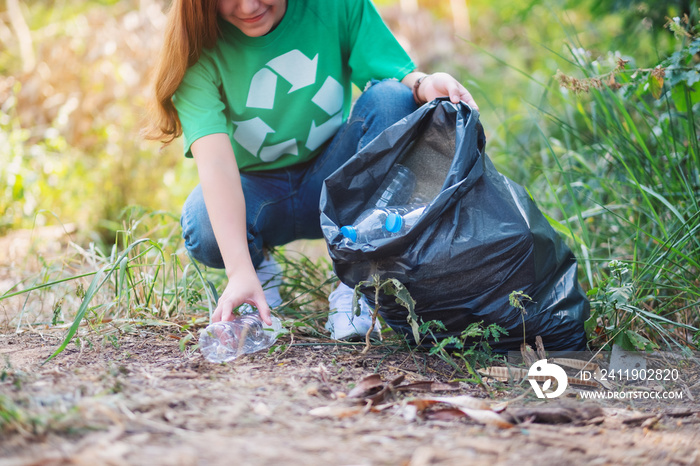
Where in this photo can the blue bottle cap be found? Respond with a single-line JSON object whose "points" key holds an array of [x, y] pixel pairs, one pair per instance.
{"points": [[349, 232], [393, 223]]}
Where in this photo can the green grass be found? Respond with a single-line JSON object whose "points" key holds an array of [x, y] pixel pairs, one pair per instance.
{"points": [[619, 169], [146, 278], [609, 152]]}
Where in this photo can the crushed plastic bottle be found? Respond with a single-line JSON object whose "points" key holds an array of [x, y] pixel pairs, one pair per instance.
{"points": [[225, 341], [378, 223]]}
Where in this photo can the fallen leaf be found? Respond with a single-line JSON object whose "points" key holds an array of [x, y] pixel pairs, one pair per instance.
{"points": [[650, 423], [373, 390], [480, 413], [575, 364], [368, 385], [447, 414], [681, 412], [462, 401], [582, 382], [561, 413], [336, 411], [378, 397], [487, 417], [422, 404], [504, 374], [397, 381], [638, 420], [428, 386]]}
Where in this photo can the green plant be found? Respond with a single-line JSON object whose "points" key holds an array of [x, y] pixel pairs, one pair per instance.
{"points": [[618, 166], [390, 287], [612, 315], [140, 280], [517, 299], [305, 288], [471, 347], [12, 417]]}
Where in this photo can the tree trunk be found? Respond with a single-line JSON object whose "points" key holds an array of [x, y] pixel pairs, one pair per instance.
{"points": [[408, 6], [19, 25], [460, 18]]}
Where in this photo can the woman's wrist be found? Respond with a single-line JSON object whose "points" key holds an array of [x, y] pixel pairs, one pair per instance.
{"points": [[416, 91]]}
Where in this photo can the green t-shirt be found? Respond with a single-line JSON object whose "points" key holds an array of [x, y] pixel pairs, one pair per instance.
{"points": [[281, 96]]}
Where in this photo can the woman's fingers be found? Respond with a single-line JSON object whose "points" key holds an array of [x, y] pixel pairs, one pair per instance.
{"points": [[444, 85], [231, 299]]}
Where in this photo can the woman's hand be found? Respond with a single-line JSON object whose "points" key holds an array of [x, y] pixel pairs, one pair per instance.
{"points": [[437, 85], [243, 287], [444, 85]]}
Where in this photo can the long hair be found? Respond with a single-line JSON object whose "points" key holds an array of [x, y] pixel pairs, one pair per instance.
{"points": [[190, 27]]}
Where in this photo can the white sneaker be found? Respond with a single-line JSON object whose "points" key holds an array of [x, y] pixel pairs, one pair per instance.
{"points": [[270, 275], [342, 321]]}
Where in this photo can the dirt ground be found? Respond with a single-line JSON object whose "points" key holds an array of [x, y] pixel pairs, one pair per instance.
{"points": [[138, 399], [143, 401]]}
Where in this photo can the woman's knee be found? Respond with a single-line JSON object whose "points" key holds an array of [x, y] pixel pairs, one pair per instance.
{"points": [[197, 231], [199, 237], [390, 96], [384, 103]]}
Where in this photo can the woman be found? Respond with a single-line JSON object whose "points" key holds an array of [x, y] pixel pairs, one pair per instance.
{"points": [[261, 90]]}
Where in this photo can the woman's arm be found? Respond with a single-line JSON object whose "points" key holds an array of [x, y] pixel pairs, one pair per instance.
{"points": [[437, 85], [223, 196]]}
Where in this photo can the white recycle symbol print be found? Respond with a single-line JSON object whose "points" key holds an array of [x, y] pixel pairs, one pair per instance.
{"points": [[300, 71]]}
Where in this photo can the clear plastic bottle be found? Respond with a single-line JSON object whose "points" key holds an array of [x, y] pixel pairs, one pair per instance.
{"points": [[377, 223], [402, 219], [396, 189], [225, 341]]}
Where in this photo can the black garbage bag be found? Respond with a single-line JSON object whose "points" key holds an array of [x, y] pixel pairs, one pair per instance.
{"points": [[480, 238]]}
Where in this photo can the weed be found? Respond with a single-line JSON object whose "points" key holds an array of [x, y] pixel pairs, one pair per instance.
{"points": [[613, 314], [620, 156], [113, 340], [471, 347], [390, 287], [184, 341], [12, 417], [305, 288], [517, 299]]}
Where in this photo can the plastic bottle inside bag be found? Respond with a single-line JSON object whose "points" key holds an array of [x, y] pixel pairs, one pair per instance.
{"points": [[225, 341], [377, 223], [402, 219], [396, 189]]}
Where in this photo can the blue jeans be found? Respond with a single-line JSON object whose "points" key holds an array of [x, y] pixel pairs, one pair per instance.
{"points": [[283, 205]]}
